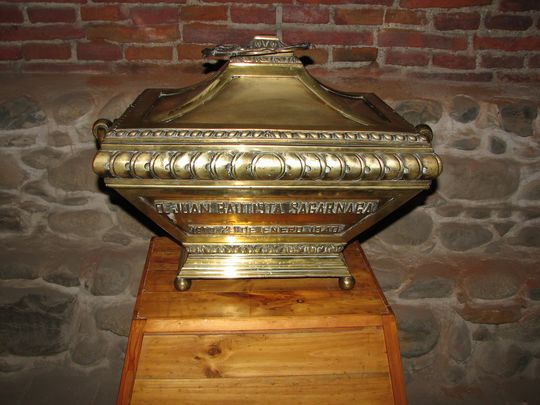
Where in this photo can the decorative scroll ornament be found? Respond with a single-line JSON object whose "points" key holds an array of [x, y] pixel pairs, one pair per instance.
{"points": [[234, 165], [259, 46]]}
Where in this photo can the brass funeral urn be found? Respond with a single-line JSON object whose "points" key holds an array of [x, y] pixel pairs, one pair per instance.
{"points": [[262, 171]]}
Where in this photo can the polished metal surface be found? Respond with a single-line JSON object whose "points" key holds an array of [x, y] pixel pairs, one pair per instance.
{"points": [[262, 171]]}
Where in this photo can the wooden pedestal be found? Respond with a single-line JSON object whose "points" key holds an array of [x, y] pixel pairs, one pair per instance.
{"points": [[301, 341]]}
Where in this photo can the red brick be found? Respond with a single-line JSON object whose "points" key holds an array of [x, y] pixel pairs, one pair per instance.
{"points": [[305, 15], [417, 39], [328, 37], [457, 21], [251, 2], [219, 34], [56, 67], [364, 16], [103, 13], [355, 54], [357, 2], [48, 1], [458, 77], [98, 51], [10, 53], [508, 22], [51, 15], [519, 5], [407, 17], [498, 61], [253, 15], [155, 52], [317, 55], [508, 43], [122, 34], [534, 61], [406, 58], [141, 1], [443, 3], [203, 13], [518, 77], [190, 51], [56, 31], [452, 61], [10, 14], [46, 51], [154, 15]]}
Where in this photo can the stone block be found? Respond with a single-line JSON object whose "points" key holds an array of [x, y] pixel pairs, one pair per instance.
{"points": [[461, 237], [497, 146], [39, 188], [84, 223], [518, 117], [12, 173], [72, 106], [418, 329], [41, 158], [472, 179], [21, 112], [17, 141], [531, 190], [491, 283], [527, 236], [58, 139], [88, 349], [411, 229], [466, 143], [115, 318], [493, 314], [495, 359], [526, 330], [434, 287], [62, 275], [112, 274], [75, 173], [389, 272], [12, 220], [420, 111], [13, 268], [37, 323], [464, 109]]}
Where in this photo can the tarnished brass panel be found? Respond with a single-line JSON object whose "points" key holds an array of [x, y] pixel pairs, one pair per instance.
{"points": [[262, 171]]}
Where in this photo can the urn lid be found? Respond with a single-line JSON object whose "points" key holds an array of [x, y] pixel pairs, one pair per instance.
{"points": [[262, 94]]}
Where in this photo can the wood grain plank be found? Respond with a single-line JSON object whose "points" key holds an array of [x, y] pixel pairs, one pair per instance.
{"points": [[257, 303], [131, 361], [256, 354], [394, 360], [372, 389], [242, 324]]}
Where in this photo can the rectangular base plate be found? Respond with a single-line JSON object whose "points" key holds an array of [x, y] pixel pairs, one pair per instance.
{"points": [[263, 266]]}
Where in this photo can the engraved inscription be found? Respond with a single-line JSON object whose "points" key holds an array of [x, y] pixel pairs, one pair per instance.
{"points": [[264, 229], [268, 207], [265, 248]]}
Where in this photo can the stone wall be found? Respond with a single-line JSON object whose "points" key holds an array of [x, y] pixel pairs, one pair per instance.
{"points": [[460, 264]]}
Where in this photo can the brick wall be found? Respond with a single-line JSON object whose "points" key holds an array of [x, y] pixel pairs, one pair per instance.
{"points": [[470, 40]]}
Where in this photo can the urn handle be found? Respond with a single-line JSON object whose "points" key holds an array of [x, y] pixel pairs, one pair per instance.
{"points": [[425, 130], [100, 128]]}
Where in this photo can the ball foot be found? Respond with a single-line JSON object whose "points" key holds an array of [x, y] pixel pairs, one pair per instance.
{"points": [[347, 283], [182, 284]]}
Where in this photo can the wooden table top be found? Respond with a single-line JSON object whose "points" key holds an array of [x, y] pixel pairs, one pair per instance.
{"points": [[272, 303]]}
